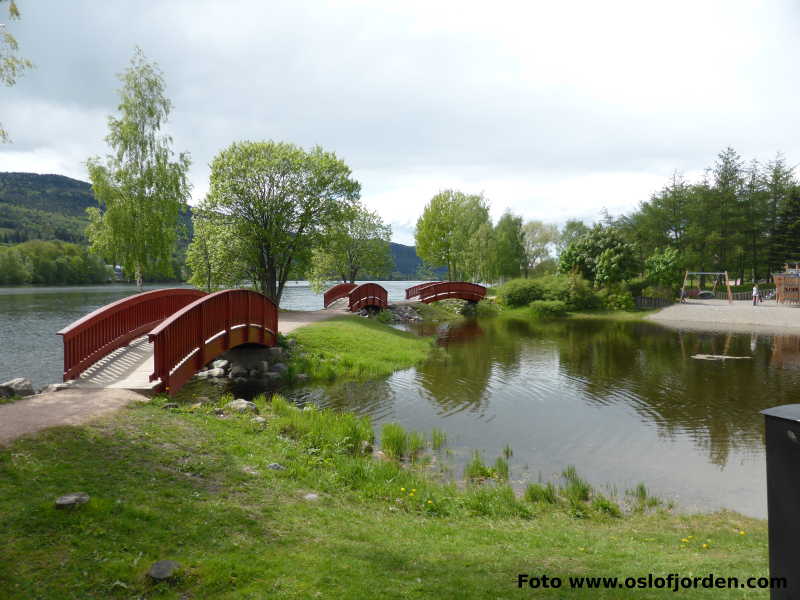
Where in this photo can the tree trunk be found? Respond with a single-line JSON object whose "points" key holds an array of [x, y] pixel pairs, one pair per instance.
{"points": [[138, 276]]}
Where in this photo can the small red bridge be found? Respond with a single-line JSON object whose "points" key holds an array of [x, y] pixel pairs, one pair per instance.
{"points": [[185, 329], [443, 290], [366, 295]]}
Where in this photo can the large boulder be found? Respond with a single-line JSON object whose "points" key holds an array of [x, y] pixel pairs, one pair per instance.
{"points": [[16, 387]]}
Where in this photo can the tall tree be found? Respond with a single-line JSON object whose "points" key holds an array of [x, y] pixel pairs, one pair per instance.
{"points": [[601, 255], [11, 65], [357, 244], [779, 183], [445, 229], [510, 243], [278, 200], [539, 240], [215, 254], [572, 230], [141, 189]]}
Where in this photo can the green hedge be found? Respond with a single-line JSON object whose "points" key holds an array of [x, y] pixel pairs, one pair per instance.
{"points": [[548, 309]]}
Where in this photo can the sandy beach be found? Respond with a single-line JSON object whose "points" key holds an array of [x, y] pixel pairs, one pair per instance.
{"points": [[718, 315]]}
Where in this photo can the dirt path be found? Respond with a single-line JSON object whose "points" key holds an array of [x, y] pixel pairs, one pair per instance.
{"points": [[718, 315], [67, 407]]}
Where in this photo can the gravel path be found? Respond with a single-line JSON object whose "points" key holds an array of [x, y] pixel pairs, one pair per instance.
{"points": [[718, 315]]}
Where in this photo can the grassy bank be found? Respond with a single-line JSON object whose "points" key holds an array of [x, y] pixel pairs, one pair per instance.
{"points": [[524, 313], [194, 487], [356, 348]]}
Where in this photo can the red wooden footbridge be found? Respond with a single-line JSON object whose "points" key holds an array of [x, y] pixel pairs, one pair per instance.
{"points": [[184, 329], [158, 340]]}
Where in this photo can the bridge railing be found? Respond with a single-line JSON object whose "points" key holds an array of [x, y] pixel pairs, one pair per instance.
{"points": [[204, 329], [415, 290], [99, 333], [452, 289], [368, 294], [340, 290]]}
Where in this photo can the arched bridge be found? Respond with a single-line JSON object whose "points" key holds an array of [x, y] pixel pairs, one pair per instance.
{"points": [[366, 295], [442, 290], [185, 330]]}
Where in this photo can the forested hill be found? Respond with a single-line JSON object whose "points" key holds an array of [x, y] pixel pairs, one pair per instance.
{"points": [[44, 207]]}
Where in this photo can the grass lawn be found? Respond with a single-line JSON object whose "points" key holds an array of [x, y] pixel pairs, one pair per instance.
{"points": [[357, 348], [191, 486], [523, 312]]}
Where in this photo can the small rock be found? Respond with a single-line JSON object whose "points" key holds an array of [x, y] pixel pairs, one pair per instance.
{"points": [[169, 405], [201, 375], [219, 411], [16, 387], [258, 420], [241, 405], [263, 366], [163, 570], [237, 371], [311, 497], [250, 470], [220, 364], [72, 500], [379, 454], [280, 368], [196, 406], [53, 387], [275, 354], [276, 467], [255, 373], [216, 372]]}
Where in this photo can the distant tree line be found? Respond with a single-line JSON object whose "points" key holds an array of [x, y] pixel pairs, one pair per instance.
{"points": [[51, 263]]}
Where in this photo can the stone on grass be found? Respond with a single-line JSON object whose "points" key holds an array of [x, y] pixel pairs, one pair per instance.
{"points": [[219, 411], [241, 405], [219, 364], [250, 470], [258, 420], [19, 386], [216, 372], [52, 387], [163, 570], [279, 368], [170, 405], [311, 497], [276, 467], [72, 500]]}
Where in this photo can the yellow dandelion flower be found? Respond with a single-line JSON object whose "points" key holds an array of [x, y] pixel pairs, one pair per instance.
{"points": [[742, 533], [413, 489], [411, 494], [402, 489], [685, 540], [705, 545], [430, 501], [689, 536]]}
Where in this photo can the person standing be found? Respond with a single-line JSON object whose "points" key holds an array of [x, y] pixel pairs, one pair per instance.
{"points": [[755, 294]]}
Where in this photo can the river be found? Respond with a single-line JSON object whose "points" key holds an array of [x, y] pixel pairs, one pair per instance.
{"points": [[623, 402]]}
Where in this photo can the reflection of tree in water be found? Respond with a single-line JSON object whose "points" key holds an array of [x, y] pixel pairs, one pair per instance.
{"points": [[458, 379], [651, 369]]}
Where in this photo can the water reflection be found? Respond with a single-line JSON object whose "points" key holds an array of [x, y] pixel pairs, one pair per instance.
{"points": [[625, 402]]}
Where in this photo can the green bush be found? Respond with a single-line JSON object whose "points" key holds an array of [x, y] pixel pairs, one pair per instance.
{"points": [[519, 292], [637, 286], [659, 292], [548, 309], [617, 300]]}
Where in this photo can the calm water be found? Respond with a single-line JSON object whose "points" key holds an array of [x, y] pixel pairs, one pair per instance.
{"points": [[624, 402], [31, 316]]}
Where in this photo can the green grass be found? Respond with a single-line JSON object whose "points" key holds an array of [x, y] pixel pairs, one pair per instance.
{"points": [[9, 399], [438, 439], [190, 486], [444, 310], [523, 313], [394, 441], [351, 347]]}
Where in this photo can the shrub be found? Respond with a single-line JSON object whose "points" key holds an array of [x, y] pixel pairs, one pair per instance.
{"points": [[520, 292], [619, 301], [602, 504], [636, 287], [486, 308], [501, 468], [548, 309], [658, 292], [536, 492], [577, 489]]}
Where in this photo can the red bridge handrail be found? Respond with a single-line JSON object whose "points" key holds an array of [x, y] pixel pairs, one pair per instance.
{"points": [[102, 331], [204, 329], [368, 294], [452, 289], [340, 290], [414, 290]]}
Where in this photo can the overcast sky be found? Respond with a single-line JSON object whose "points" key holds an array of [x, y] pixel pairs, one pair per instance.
{"points": [[551, 109]]}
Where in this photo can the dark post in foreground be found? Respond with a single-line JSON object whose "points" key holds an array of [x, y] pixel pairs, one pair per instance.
{"points": [[783, 497]]}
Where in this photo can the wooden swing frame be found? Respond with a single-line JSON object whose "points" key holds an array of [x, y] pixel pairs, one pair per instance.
{"points": [[716, 274]]}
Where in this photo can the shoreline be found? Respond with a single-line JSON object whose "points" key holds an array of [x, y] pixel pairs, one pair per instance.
{"points": [[740, 317]]}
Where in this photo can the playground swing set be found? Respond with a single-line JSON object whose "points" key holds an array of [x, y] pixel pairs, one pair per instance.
{"points": [[718, 275]]}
